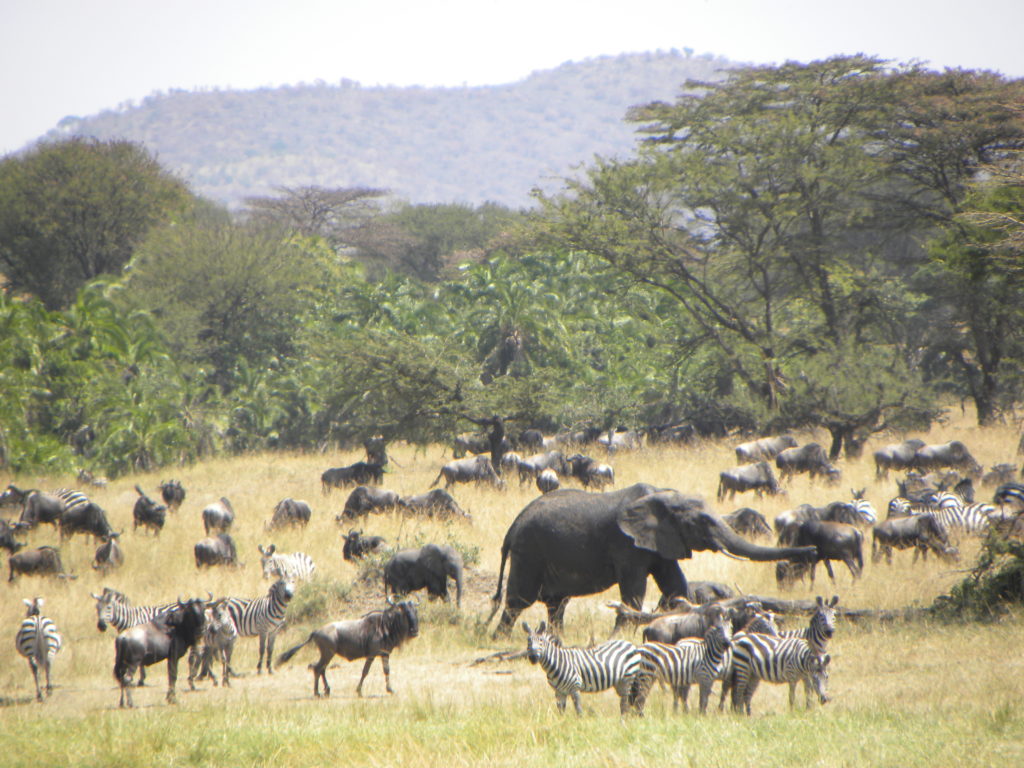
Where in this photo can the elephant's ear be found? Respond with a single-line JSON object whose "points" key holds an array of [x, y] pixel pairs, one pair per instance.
{"points": [[649, 523]]}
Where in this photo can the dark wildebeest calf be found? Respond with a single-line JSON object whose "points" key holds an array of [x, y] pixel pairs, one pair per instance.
{"points": [[148, 513], [108, 555], [166, 637], [375, 634]]}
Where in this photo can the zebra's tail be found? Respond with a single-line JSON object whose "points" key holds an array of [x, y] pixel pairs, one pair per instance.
{"points": [[287, 655]]}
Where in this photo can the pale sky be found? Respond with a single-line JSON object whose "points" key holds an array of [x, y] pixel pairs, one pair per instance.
{"points": [[73, 57]]}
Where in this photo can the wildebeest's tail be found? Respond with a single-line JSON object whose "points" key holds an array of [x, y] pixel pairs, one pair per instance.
{"points": [[721, 488], [287, 655], [437, 479]]}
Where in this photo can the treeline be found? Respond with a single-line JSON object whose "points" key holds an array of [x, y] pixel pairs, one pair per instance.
{"points": [[834, 244]]}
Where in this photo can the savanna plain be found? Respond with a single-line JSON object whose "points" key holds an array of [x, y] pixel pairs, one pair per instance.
{"points": [[904, 693]]}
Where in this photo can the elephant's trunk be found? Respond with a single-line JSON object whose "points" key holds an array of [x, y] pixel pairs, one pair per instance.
{"points": [[458, 586], [736, 545]]}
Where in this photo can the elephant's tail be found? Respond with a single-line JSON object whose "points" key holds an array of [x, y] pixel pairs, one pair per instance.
{"points": [[496, 598]]}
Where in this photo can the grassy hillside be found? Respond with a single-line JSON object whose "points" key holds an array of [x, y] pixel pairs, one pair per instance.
{"points": [[428, 145], [907, 694]]}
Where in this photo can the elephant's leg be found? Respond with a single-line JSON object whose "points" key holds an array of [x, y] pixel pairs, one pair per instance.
{"points": [[521, 592], [556, 610]]}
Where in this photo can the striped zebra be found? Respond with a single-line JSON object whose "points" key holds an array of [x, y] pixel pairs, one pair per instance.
{"points": [[38, 640], [295, 566], [865, 509], [777, 660], [691, 661], [218, 640], [113, 608], [761, 622], [820, 628], [262, 616], [71, 498], [971, 519], [572, 671]]}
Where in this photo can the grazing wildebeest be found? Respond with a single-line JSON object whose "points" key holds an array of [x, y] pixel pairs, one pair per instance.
{"points": [[84, 516], [41, 561], [952, 454], [547, 481], [290, 512], [377, 633], [365, 499], [998, 474], [898, 456], [694, 622], [218, 641], [810, 458], [834, 541], [435, 503], [764, 449], [360, 473], [166, 637], [38, 640], [148, 513], [173, 494], [108, 555], [748, 522], [218, 516], [36, 507], [922, 532], [476, 469], [530, 439], [357, 545], [749, 477], [7, 540], [216, 550], [532, 466], [590, 472]]}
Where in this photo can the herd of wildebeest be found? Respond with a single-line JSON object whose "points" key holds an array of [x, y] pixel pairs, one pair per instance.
{"points": [[567, 542]]}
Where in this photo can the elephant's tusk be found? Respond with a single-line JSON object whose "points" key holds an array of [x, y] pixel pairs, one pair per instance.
{"points": [[727, 553]]}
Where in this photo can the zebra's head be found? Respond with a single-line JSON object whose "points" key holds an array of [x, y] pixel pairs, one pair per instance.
{"points": [[35, 606], [105, 607], [819, 676], [538, 643], [719, 633], [824, 618]]}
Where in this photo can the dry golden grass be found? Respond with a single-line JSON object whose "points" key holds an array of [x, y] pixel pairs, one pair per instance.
{"points": [[890, 683]]}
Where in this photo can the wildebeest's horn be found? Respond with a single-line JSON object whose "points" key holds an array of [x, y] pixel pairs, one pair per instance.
{"points": [[389, 599]]}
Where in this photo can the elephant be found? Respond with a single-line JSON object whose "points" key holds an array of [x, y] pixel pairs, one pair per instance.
{"points": [[570, 542], [428, 566]]}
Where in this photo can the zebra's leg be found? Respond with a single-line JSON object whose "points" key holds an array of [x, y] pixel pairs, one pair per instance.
{"points": [[748, 692], [639, 689], [34, 666], [46, 668], [560, 702], [681, 693], [705, 694], [271, 638], [263, 648], [624, 688], [194, 662], [576, 702], [225, 663], [366, 671], [792, 693]]}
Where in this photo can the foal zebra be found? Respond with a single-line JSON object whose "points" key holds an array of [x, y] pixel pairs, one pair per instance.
{"points": [[263, 616], [570, 671], [38, 641], [690, 661], [777, 660]]}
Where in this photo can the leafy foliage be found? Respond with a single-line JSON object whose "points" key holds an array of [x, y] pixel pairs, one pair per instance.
{"points": [[994, 587]]}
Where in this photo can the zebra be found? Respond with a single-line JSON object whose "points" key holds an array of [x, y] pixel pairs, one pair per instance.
{"points": [[689, 661], [262, 616], [759, 657], [296, 566], [113, 608], [38, 640], [218, 639], [72, 499], [972, 519], [821, 627], [865, 509], [571, 671], [761, 622]]}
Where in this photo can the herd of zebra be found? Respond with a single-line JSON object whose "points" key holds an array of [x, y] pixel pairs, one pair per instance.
{"points": [[739, 658]]}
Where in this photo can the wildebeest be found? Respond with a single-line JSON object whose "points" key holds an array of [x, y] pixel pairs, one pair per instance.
{"points": [[590, 472], [922, 532], [357, 545], [290, 512], [476, 444], [36, 507], [88, 518], [810, 458], [41, 561], [108, 555], [748, 522], [672, 433], [833, 541], [365, 499], [530, 439], [173, 494], [952, 454], [87, 477], [622, 439], [377, 633], [764, 449], [216, 550], [749, 477], [530, 467], [694, 622], [148, 513], [476, 469], [218, 516], [360, 473], [835, 511], [998, 474], [898, 456], [7, 532], [166, 637], [435, 503], [547, 481]]}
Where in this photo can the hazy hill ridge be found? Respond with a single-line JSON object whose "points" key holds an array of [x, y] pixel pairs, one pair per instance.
{"points": [[468, 145]]}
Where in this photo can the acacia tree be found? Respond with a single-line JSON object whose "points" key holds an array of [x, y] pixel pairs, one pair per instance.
{"points": [[74, 210]]}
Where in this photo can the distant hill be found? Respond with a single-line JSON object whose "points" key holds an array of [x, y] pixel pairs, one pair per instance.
{"points": [[466, 145]]}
